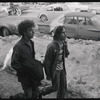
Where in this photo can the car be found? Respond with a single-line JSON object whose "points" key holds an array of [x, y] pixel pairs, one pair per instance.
{"points": [[8, 29], [94, 8], [77, 6], [48, 27], [52, 11], [79, 25]]}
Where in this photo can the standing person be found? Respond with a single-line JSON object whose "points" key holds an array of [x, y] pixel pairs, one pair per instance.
{"points": [[23, 53], [54, 63]]}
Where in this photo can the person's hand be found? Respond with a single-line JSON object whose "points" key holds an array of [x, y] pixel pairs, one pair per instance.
{"points": [[46, 82], [49, 82]]}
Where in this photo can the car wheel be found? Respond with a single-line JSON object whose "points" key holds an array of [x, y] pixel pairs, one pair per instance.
{"points": [[5, 32], [77, 9], [93, 11], [43, 18], [18, 12]]}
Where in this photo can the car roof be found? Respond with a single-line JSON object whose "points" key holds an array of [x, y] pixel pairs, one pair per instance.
{"points": [[83, 14], [55, 5]]}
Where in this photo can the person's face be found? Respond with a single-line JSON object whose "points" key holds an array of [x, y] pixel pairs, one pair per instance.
{"points": [[30, 32], [63, 35]]}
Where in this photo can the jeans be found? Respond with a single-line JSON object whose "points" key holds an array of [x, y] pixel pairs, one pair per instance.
{"points": [[59, 84]]}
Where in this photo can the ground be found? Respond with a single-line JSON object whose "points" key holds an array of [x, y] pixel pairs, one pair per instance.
{"points": [[82, 67]]}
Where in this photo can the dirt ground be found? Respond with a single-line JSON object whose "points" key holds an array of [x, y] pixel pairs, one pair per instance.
{"points": [[82, 66]]}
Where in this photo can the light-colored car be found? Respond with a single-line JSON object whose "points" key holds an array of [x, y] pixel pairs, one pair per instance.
{"points": [[52, 11], [8, 29], [79, 25], [47, 27], [94, 8], [77, 6]]}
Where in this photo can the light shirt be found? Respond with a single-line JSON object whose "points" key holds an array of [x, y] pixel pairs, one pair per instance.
{"points": [[60, 60]]}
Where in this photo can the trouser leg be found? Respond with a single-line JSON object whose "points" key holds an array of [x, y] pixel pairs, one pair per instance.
{"points": [[55, 85], [35, 92], [62, 84], [27, 90]]}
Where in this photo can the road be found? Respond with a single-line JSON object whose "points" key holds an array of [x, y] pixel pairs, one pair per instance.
{"points": [[29, 14]]}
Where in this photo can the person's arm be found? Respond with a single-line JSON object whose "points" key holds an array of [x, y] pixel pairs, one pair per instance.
{"points": [[15, 63], [47, 63], [66, 49]]}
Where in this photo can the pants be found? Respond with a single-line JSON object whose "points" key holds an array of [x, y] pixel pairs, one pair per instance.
{"points": [[30, 87], [59, 84]]}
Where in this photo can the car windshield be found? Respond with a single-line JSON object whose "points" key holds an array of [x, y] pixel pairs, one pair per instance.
{"points": [[96, 19]]}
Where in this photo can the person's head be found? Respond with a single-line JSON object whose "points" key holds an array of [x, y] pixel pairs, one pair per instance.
{"points": [[26, 28], [59, 33]]}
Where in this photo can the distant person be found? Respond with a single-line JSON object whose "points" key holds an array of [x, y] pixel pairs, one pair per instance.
{"points": [[23, 60], [12, 6], [54, 63]]}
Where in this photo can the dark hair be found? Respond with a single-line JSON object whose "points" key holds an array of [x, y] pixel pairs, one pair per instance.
{"points": [[24, 25], [57, 31]]}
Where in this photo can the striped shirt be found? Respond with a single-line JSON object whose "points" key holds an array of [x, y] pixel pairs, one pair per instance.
{"points": [[60, 60]]}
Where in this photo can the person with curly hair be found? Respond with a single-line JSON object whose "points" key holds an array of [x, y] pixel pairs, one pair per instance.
{"points": [[23, 53]]}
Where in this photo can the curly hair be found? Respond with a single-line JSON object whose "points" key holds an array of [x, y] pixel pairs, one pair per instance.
{"points": [[24, 25], [57, 31]]}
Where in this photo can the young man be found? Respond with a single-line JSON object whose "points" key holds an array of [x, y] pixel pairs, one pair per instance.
{"points": [[54, 63], [23, 53]]}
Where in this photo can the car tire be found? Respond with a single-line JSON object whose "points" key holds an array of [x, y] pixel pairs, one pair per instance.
{"points": [[44, 18], [5, 32], [18, 12]]}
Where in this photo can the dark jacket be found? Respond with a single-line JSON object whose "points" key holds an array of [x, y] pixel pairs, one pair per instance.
{"points": [[22, 53], [50, 61]]}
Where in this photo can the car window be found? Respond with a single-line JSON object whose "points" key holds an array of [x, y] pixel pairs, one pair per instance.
{"points": [[84, 21], [58, 9], [70, 20]]}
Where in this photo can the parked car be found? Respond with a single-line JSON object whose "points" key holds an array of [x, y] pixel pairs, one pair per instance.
{"points": [[79, 25], [52, 11], [16, 10], [7, 29], [47, 27], [77, 6], [94, 8]]}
